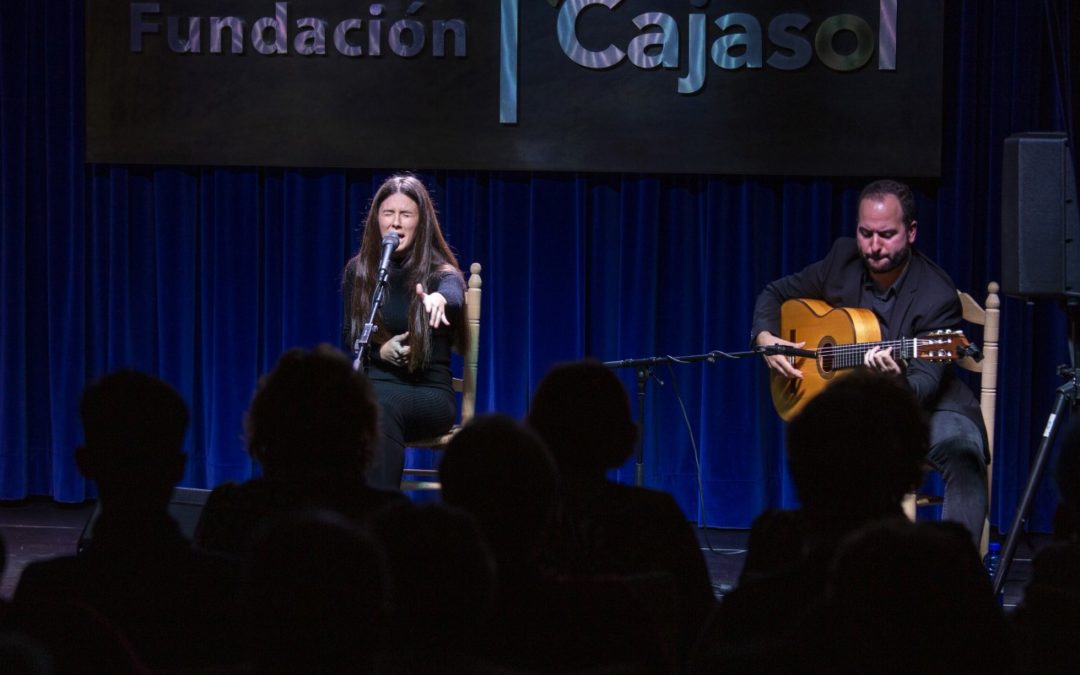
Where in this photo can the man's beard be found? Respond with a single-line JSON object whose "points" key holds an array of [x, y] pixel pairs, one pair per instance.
{"points": [[895, 261]]}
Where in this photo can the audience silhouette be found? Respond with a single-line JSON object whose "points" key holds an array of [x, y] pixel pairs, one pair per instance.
{"points": [[175, 605], [853, 452], [535, 563], [907, 598], [502, 475], [581, 411], [20, 654], [1046, 622], [312, 426], [442, 584], [1067, 481], [315, 596]]}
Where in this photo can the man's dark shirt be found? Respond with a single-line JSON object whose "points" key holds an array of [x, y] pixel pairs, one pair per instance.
{"points": [[882, 301]]}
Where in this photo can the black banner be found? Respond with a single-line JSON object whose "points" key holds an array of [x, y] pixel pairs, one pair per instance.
{"points": [[829, 87]]}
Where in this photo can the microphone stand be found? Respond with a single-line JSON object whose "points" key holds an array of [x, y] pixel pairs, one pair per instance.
{"points": [[644, 370], [1066, 398], [360, 346]]}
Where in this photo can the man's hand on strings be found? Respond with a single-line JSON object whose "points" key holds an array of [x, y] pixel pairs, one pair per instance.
{"points": [[881, 360]]}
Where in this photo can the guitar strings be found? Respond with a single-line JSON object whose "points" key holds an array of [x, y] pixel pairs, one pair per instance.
{"points": [[845, 356], [864, 347], [848, 355]]}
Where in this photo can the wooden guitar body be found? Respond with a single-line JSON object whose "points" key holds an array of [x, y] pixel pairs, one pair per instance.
{"points": [[819, 325]]}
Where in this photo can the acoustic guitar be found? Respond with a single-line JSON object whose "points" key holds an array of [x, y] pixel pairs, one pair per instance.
{"points": [[839, 338]]}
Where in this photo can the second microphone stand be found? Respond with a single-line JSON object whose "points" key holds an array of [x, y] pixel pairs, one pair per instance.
{"points": [[644, 371]]}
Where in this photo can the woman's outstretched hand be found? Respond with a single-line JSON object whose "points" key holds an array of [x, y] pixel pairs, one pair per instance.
{"points": [[434, 305]]}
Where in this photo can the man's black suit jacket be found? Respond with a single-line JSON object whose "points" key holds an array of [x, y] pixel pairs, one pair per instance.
{"points": [[927, 301]]}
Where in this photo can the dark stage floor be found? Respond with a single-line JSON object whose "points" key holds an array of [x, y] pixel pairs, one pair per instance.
{"points": [[37, 529]]}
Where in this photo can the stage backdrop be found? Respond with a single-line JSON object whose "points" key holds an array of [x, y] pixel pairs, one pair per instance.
{"points": [[784, 87], [203, 275]]}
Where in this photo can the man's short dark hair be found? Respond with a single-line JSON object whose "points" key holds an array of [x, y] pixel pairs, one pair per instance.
{"points": [[879, 188]]}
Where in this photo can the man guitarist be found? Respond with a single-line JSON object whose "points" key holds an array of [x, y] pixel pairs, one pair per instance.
{"points": [[910, 295]]}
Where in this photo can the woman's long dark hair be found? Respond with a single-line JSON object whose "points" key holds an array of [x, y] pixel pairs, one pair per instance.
{"points": [[428, 256]]}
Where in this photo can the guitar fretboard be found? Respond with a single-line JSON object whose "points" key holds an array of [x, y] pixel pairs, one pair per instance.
{"points": [[851, 356]]}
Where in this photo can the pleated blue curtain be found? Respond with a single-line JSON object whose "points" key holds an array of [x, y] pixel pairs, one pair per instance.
{"points": [[205, 275]]}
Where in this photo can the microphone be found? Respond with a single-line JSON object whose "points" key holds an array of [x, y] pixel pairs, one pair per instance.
{"points": [[389, 244]]}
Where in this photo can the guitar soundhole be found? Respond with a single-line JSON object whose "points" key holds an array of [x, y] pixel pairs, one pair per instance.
{"points": [[825, 357]]}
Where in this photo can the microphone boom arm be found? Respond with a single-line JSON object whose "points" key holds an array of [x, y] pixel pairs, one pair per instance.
{"points": [[785, 350]]}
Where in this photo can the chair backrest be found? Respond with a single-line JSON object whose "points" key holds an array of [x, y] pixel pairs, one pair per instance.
{"points": [[426, 479], [988, 317], [472, 354]]}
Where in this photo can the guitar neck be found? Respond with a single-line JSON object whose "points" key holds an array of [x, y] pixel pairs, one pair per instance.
{"points": [[851, 355]]}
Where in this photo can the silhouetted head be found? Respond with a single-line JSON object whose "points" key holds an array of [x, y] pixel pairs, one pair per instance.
{"points": [[582, 413], [315, 596], [907, 597], [134, 427], [312, 415], [859, 446], [501, 473], [441, 574]]}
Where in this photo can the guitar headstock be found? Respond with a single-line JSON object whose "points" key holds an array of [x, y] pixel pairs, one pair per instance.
{"points": [[945, 345]]}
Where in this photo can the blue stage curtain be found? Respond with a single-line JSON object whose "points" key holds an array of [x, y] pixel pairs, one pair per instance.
{"points": [[205, 275]]}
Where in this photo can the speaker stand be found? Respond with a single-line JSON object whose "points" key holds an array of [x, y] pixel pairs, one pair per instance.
{"points": [[1066, 393]]}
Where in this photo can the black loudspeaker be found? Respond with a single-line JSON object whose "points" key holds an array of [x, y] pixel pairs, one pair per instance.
{"points": [[185, 507], [1040, 228]]}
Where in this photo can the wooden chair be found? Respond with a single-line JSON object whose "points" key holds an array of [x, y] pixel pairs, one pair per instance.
{"points": [[427, 479], [989, 319]]}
